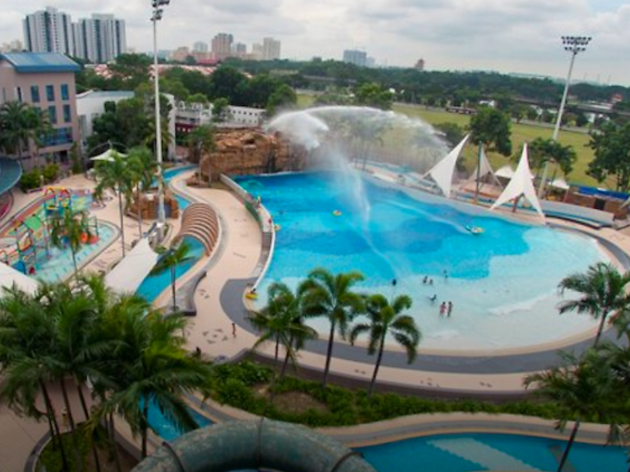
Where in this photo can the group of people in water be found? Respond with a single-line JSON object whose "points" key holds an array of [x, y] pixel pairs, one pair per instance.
{"points": [[446, 308]]}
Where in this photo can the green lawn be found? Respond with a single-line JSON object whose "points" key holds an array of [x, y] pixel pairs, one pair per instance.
{"points": [[520, 133]]}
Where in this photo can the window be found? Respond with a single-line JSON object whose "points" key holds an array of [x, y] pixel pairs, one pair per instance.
{"points": [[64, 92], [67, 114], [34, 93], [52, 114], [50, 93], [58, 137]]}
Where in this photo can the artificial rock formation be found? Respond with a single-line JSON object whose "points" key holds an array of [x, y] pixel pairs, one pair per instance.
{"points": [[148, 205], [250, 151]]}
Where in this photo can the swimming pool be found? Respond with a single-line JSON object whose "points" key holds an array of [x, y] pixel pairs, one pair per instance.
{"points": [[502, 283], [473, 452]]}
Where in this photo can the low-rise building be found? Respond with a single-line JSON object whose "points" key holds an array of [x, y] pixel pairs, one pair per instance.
{"points": [[91, 105], [45, 81], [192, 115]]}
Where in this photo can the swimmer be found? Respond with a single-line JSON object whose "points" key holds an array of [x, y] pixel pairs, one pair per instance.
{"points": [[433, 298], [443, 308], [450, 309], [425, 280]]}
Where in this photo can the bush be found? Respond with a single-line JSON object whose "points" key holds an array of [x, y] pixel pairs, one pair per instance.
{"points": [[30, 180], [233, 386], [50, 173]]}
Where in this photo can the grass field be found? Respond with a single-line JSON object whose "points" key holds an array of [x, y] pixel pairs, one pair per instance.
{"points": [[520, 133]]}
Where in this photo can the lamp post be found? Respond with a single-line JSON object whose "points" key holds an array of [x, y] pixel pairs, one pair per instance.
{"points": [[574, 45], [157, 15]]}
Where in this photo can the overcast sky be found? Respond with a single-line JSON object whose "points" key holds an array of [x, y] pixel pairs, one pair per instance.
{"points": [[504, 35]]}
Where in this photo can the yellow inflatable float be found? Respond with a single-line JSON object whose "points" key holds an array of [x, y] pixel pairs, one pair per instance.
{"points": [[337, 213]]}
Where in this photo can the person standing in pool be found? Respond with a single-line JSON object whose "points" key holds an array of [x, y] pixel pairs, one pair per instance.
{"points": [[450, 309], [443, 309]]}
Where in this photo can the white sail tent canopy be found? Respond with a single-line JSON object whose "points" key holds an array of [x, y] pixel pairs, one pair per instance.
{"points": [[129, 273], [520, 185], [505, 172], [560, 183], [108, 156], [442, 172], [9, 278], [483, 170]]}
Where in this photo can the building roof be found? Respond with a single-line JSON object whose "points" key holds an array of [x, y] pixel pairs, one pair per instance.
{"points": [[34, 62], [106, 94]]}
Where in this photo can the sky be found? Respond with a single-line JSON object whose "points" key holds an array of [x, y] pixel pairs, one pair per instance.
{"points": [[509, 36]]}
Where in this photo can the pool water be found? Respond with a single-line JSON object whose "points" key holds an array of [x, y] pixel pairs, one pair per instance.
{"points": [[473, 452], [167, 430], [502, 283]]}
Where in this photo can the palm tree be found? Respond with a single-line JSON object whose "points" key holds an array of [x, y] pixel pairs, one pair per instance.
{"points": [[142, 165], [281, 321], [332, 296], [151, 137], [170, 260], [39, 127], [115, 175], [603, 289], [14, 120], [27, 359], [580, 389], [151, 366], [387, 319], [70, 229]]}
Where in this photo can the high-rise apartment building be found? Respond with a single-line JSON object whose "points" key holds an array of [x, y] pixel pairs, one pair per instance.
{"points": [[356, 57], [48, 30], [200, 46], [270, 49], [100, 39], [222, 45]]}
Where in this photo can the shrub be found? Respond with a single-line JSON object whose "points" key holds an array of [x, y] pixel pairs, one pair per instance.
{"points": [[30, 180], [50, 173]]}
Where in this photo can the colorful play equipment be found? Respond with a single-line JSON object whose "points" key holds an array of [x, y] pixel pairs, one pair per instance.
{"points": [[27, 240]]}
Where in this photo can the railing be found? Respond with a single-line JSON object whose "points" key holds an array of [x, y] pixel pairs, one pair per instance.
{"points": [[265, 221]]}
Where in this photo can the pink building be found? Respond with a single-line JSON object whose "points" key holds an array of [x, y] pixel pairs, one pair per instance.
{"points": [[45, 81]]}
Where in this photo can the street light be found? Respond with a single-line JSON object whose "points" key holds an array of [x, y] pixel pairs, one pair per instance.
{"points": [[574, 45], [157, 15]]}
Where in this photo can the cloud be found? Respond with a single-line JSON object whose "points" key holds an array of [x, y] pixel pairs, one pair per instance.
{"points": [[504, 35]]}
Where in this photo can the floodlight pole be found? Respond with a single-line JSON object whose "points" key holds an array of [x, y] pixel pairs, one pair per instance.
{"points": [[574, 45], [157, 15]]}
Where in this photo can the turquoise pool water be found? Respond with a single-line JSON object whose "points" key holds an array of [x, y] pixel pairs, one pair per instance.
{"points": [[165, 429], [502, 283], [473, 452]]}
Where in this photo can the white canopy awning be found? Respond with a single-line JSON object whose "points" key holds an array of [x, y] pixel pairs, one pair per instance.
{"points": [[506, 172], [521, 184], [10, 277], [127, 276], [108, 155], [442, 172], [560, 183]]}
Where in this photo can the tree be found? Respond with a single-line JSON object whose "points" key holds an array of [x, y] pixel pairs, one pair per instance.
{"points": [[386, 319], [603, 294], [284, 97], [131, 70], [220, 108], [151, 367], [142, 166], [39, 127], [115, 175], [200, 141], [492, 127], [281, 322], [70, 229], [197, 98], [26, 347], [373, 95], [332, 296], [227, 82], [542, 151], [169, 261], [612, 155], [15, 127], [580, 390]]}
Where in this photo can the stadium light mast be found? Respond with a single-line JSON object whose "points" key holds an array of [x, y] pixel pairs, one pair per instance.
{"points": [[155, 17], [574, 45]]}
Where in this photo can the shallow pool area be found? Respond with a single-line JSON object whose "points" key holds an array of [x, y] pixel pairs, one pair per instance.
{"points": [[502, 283], [471, 452]]}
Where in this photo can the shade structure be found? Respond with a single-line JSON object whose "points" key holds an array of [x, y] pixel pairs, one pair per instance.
{"points": [[127, 276], [9, 278], [107, 156], [520, 185], [560, 183], [506, 172], [442, 172], [483, 170]]}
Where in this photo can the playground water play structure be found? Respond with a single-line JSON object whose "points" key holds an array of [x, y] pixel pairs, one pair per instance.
{"points": [[25, 242]]}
